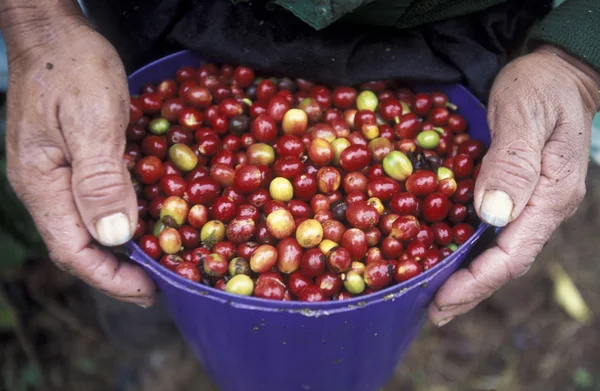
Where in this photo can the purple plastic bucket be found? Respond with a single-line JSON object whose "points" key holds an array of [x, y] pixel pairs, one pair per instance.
{"points": [[248, 344]]}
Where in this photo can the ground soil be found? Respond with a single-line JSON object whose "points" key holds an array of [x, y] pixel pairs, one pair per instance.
{"points": [[520, 339]]}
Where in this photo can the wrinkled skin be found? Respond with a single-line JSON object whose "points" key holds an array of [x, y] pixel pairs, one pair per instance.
{"points": [[66, 137], [68, 108], [540, 114]]}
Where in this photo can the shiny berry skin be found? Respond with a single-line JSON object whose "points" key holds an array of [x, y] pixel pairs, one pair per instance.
{"points": [[226, 249], [344, 97], [405, 227], [445, 252], [243, 77], [215, 265], [416, 251], [277, 107], [390, 109], [404, 204], [313, 263], [151, 103], [355, 241], [202, 191], [456, 123], [355, 181], [355, 196], [355, 158], [264, 128], [421, 183], [265, 90], [378, 275], [330, 284], [464, 191], [155, 146], [339, 260], [189, 271], [190, 118], [391, 248], [149, 245], [247, 178], [289, 145], [179, 135], [385, 223], [432, 257], [373, 236], [383, 188], [155, 206], [320, 152], [185, 73], [442, 234], [457, 213], [362, 215], [171, 261], [259, 198], [328, 179], [199, 97], [407, 269], [439, 116], [333, 230], [463, 166], [297, 282], [408, 126], [422, 104], [223, 209], [269, 290], [311, 294], [135, 110], [173, 185], [149, 170], [288, 167], [289, 255], [435, 207], [462, 232], [305, 187]]}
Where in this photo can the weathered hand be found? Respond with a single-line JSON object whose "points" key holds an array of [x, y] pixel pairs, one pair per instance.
{"points": [[533, 178], [68, 107]]}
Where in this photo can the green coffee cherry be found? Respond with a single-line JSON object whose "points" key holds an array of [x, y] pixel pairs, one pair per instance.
{"points": [[367, 100], [428, 139]]}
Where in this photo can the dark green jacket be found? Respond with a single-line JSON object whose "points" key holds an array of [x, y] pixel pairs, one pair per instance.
{"points": [[573, 26]]}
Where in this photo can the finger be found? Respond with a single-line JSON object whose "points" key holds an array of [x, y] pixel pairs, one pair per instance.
{"points": [[560, 189], [101, 184], [73, 249], [511, 168]]}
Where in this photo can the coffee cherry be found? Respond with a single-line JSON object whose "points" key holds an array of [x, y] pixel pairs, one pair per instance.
{"points": [[309, 234], [407, 269], [378, 275], [240, 285]]}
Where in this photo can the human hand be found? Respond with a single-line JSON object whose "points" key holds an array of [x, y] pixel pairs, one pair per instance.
{"points": [[533, 177], [68, 108]]}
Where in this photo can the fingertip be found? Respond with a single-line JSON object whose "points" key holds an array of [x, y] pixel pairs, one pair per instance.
{"points": [[496, 208]]}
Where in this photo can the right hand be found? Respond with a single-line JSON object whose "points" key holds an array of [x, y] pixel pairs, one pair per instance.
{"points": [[68, 108]]}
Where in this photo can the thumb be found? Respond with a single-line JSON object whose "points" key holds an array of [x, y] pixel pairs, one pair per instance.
{"points": [[511, 168], [105, 198]]}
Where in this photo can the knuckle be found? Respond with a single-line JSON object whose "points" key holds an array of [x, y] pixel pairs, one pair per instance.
{"points": [[99, 180], [517, 167]]}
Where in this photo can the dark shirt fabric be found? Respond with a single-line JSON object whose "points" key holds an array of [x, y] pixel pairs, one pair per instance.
{"points": [[469, 49]]}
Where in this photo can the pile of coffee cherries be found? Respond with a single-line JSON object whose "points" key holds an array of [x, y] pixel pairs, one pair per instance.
{"points": [[284, 189]]}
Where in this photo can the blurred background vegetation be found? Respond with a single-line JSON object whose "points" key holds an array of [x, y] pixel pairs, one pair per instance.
{"points": [[538, 333]]}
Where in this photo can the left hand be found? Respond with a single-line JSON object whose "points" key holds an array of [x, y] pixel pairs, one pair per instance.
{"points": [[533, 177]]}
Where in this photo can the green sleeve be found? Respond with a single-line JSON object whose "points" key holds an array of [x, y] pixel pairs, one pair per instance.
{"points": [[573, 26]]}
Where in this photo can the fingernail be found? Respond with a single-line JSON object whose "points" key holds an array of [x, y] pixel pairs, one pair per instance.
{"points": [[144, 306], [113, 230], [496, 208], [444, 322]]}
